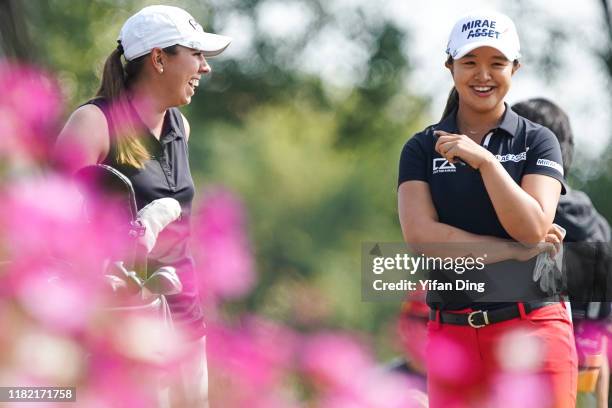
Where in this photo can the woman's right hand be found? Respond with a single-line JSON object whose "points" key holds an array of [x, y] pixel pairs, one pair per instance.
{"points": [[454, 147]]}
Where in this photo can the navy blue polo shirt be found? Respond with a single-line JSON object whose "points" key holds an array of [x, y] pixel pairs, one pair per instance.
{"points": [[459, 194], [165, 174]]}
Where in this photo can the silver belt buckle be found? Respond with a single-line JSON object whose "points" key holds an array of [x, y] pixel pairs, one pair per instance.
{"points": [[474, 313]]}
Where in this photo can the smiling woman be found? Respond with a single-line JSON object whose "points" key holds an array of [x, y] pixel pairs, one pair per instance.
{"points": [[483, 77], [182, 70], [506, 189], [134, 125]]}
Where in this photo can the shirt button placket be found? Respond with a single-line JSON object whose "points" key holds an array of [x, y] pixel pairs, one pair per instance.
{"points": [[166, 169]]}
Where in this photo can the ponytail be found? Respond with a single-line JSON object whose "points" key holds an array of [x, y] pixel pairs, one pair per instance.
{"points": [[451, 103], [115, 79]]}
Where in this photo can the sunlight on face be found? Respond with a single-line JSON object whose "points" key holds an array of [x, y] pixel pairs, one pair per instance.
{"points": [[182, 74], [482, 78]]}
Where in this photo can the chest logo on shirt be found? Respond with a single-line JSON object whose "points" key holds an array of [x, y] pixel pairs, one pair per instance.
{"points": [[441, 165], [512, 157]]}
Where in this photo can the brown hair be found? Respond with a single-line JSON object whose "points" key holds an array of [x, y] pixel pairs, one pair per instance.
{"points": [[116, 80], [452, 103]]}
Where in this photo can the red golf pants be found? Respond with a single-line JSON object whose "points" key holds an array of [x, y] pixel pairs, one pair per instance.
{"points": [[529, 361]]}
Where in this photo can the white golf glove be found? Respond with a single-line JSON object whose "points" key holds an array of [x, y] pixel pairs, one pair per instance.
{"points": [[549, 271], [155, 216]]}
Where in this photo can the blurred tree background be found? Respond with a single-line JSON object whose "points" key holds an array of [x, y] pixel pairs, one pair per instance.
{"points": [[594, 177], [311, 150], [599, 186]]}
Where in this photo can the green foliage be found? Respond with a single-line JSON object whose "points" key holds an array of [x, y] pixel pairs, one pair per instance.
{"points": [[311, 204]]}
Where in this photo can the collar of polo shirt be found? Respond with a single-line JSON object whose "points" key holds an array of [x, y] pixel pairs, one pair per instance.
{"points": [[509, 123]]}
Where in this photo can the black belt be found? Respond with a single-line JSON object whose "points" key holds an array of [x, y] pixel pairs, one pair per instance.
{"points": [[482, 318]]}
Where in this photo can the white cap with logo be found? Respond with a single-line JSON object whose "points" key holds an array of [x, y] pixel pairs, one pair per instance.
{"points": [[164, 26], [484, 29]]}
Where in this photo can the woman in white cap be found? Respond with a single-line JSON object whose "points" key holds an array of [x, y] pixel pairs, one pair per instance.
{"points": [[486, 182], [134, 125]]}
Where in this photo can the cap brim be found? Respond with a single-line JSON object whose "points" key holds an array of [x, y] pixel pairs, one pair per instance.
{"points": [[213, 44], [462, 52]]}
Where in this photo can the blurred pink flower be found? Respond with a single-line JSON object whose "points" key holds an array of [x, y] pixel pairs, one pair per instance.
{"points": [[589, 338], [43, 219], [374, 388], [29, 109], [347, 375], [525, 390], [449, 361], [144, 337], [334, 360], [256, 354], [62, 304], [132, 354], [520, 351], [117, 382], [222, 248], [412, 333]]}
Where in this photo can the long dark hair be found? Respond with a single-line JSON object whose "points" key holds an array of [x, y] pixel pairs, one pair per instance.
{"points": [[116, 80], [452, 103]]}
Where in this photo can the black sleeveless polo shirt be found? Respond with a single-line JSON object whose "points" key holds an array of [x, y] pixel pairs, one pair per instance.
{"points": [[166, 174]]}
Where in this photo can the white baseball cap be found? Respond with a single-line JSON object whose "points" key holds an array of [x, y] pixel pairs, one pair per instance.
{"points": [[164, 26], [484, 29]]}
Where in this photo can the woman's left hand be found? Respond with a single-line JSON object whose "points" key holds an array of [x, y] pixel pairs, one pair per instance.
{"points": [[453, 147]]}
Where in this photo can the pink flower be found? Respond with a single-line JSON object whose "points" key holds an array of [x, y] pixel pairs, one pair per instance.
{"points": [[29, 108], [525, 390], [375, 388], [333, 360], [590, 339], [346, 375], [255, 354], [252, 363], [63, 304], [222, 249], [450, 362], [44, 219]]}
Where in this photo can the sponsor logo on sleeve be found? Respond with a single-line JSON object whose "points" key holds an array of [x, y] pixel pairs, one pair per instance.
{"points": [[551, 164]]}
